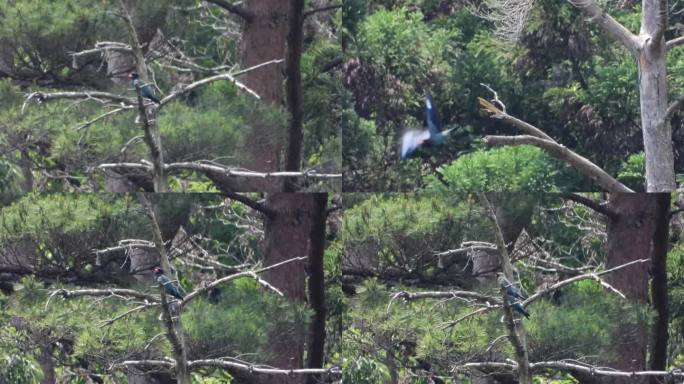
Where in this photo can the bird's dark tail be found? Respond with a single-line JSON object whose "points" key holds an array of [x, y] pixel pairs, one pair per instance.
{"points": [[155, 99], [525, 313]]}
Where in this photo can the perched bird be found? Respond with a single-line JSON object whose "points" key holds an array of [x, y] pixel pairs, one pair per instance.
{"points": [[513, 294], [169, 285], [434, 135], [511, 289], [145, 89]]}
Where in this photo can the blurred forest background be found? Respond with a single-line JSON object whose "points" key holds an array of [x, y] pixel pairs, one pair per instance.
{"points": [[562, 74], [422, 299], [69, 262], [56, 144]]}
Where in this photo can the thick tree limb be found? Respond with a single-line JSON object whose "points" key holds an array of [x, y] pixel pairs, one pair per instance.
{"points": [[255, 205], [226, 364], [591, 9], [567, 366], [560, 152], [217, 363], [322, 9], [590, 203], [234, 9], [200, 166], [674, 42]]}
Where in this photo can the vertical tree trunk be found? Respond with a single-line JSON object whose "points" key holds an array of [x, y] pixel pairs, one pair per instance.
{"points": [[630, 237], [316, 289], [657, 132], [47, 365], [264, 39], [516, 331], [659, 334], [286, 236], [295, 39]]}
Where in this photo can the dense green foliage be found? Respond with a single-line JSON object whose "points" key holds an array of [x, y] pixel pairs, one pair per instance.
{"points": [[57, 145], [51, 240], [395, 239]]}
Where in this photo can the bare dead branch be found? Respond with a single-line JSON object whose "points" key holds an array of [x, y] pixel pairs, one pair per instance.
{"points": [[93, 95], [560, 152], [591, 9], [192, 295], [567, 366], [126, 313], [200, 166], [674, 42], [219, 363], [411, 296], [126, 294], [223, 76], [503, 116]]}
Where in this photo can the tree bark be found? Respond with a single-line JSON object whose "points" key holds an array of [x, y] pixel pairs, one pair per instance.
{"points": [[657, 132], [630, 237], [264, 39], [659, 300], [295, 39], [316, 289], [286, 235]]}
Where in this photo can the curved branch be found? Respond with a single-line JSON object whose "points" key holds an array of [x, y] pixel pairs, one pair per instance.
{"points": [[234, 9], [560, 152], [255, 205], [609, 25], [593, 204]]}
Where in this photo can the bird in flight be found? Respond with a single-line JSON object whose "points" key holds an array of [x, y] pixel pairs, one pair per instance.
{"points": [[411, 140]]}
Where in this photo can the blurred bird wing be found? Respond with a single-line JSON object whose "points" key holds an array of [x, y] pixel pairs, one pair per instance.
{"points": [[411, 140], [431, 116]]}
